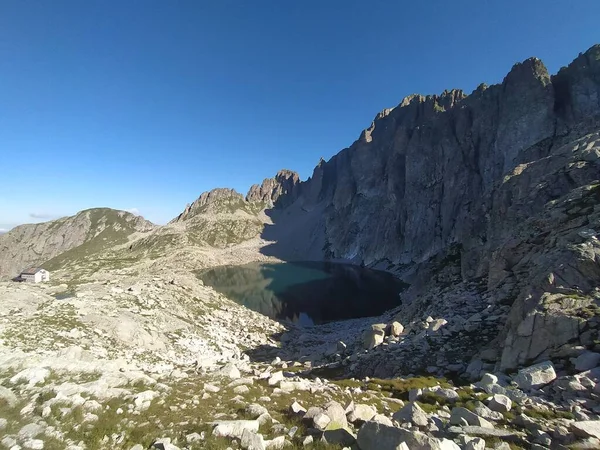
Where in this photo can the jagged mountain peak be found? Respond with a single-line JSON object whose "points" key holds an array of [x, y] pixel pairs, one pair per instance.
{"points": [[285, 184]]}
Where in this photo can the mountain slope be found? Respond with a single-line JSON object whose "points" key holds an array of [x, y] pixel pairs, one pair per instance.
{"points": [[35, 244], [501, 184]]}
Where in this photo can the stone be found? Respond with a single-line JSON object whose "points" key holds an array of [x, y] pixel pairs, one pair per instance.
{"points": [[297, 409], [193, 437], [320, 421], [3, 423], [460, 415], [164, 444], [230, 370], [8, 396], [587, 428], [30, 431], [396, 328], [252, 441], [276, 378], [483, 431], [255, 410], [338, 436], [211, 388], [414, 394], [361, 413], [336, 412], [587, 361], [374, 336], [500, 403], [411, 413], [535, 376], [307, 441], [475, 444], [234, 428], [243, 389], [277, 443], [33, 444], [376, 436], [384, 420]]}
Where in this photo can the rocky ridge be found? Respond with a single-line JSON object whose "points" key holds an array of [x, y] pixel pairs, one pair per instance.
{"points": [[31, 245]]}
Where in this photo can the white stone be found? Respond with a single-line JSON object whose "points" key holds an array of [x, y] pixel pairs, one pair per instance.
{"points": [[33, 444], [535, 376], [500, 403], [252, 441], [275, 378], [230, 371], [234, 428], [587, 428]]}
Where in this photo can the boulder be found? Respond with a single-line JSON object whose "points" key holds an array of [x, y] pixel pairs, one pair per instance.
{"points": [[384, 420], [586, 428], [255, 410], [230, 370], [411, 413], [336, 412], [321, 421], [535, 376], [483, 431], [396, 328], [8, 396], [587, 361], [475, 444], [461, 415], [275, 378], [361, 413], [338, 436], [297, 409], [374, 336], [376, 436], [234, 428], [252, 441], [500, 403], [277, 443]]}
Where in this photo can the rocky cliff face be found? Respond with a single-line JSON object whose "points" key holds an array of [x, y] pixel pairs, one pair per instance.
{"points": [[31, 245], [487, 176], [284, 185]]}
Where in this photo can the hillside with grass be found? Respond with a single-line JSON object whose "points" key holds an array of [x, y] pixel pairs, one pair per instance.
{"points": [[53, 243]]}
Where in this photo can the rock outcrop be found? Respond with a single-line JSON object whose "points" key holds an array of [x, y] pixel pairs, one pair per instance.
{"points": [[284, 185]]}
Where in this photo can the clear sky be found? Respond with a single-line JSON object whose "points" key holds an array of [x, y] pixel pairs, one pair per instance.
{"points": [[145, 104]]}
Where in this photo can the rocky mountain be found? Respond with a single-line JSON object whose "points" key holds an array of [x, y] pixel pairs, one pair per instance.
{"points": [[31, 245], [282, 189], [502, 182]]}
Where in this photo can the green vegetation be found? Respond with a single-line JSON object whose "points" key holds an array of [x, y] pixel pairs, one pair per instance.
{"points": [[400, 387]]}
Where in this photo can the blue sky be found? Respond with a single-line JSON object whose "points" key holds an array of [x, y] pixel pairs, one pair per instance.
{"points": [[145, 104]]}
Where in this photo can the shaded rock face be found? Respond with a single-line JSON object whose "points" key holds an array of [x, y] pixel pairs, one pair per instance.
{"points": [[508, 175], [30, 245], [284, 185]]}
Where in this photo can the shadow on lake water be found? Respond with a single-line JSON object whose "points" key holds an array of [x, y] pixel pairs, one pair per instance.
{"points": [[307, 293]]}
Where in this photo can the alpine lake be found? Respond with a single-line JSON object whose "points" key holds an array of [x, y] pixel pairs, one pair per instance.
{"points": [[307, 293]]}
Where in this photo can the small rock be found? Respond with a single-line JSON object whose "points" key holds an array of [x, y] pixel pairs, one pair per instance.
{"points": [[297, 408], [500, 403]]}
